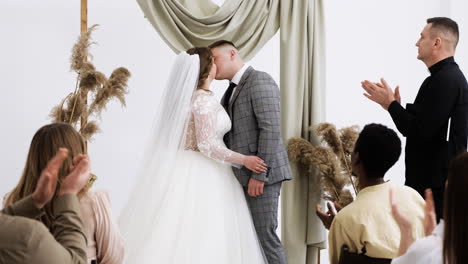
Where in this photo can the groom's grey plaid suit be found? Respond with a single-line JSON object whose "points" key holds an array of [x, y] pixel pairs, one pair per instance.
{"points": [[255, 114]]}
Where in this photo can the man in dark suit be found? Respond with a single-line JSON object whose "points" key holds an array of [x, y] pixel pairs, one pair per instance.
{"points": [[436, 124]]}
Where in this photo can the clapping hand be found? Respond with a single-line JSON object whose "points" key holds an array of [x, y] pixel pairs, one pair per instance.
{"points": [[381, 93], [403, 222], [72, 183], [78, 177], [406, 228], [429, 213], [47, 182], [327, 218]]}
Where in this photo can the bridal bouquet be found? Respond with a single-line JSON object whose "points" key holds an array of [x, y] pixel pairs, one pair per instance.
{"points": [[332, 160], [90, 84]]}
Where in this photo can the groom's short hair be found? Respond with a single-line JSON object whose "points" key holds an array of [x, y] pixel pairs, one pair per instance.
{"points": [[221, 43]]}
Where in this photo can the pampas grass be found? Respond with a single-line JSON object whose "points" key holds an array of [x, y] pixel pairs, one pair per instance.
{"points": [[332, 159], [89, 129], [90, 83], [348, 137], [80, 51], [115, 87], [76, 108], [58, 113]]}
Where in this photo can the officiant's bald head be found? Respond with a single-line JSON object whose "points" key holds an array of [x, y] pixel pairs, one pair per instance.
{"points": [[227, 59]]}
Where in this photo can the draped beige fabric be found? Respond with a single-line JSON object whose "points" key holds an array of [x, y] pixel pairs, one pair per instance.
{"points": [[302, 101], [187, 23], [250, 24]]}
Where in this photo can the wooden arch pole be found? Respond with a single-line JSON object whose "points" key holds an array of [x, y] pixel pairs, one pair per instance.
{"points": [[84, 16], [84, 29]]}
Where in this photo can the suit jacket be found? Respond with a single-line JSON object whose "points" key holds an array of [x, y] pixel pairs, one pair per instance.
{"points": [[442, 96], [24, 240], [255, 114]]}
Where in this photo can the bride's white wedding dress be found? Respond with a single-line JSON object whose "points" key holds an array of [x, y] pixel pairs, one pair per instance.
{"points": [[206, 219], [197, 212]]}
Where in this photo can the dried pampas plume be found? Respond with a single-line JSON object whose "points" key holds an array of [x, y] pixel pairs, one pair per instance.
{"points": [[115, 87], [349, 136], [89, 130], [58, 113], [329, 135], [90, 83], [332, 160], [341, 142], [80, 51]]}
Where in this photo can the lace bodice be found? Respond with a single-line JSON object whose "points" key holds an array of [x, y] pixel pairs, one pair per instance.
{"points": [[207, 126]]}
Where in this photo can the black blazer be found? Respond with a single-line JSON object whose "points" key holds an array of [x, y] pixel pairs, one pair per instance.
{"points": [[442, 96]]}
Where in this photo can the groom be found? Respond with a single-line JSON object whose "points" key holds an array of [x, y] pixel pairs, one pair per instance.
{"points": [[253, 104]]}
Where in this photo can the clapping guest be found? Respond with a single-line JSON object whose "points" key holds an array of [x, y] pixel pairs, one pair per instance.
{"points": [[359, 224], [105, 244], [24, 240], [446, 242]]}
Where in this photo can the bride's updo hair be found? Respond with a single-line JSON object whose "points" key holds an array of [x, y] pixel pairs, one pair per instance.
{"points": [[206, 62]]}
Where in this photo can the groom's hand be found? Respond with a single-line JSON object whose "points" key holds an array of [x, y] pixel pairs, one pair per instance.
{"points": [[255, 187]]}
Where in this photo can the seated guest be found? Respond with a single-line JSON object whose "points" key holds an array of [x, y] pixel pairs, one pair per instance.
{"points": [[24, 240], [105, 243], [366, 225], [447, 240]]}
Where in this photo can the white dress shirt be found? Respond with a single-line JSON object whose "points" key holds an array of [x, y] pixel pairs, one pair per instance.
{"points": [[237, 78], [427, 250]]}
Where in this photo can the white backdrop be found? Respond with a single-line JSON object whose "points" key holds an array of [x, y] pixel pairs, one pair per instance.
{"points": [[365, 39]]}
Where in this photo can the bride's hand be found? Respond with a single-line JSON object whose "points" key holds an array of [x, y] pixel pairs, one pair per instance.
{"points": [[430, 214], [255, 164]]}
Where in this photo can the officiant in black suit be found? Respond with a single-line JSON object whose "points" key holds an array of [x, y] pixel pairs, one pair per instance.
{"points": [[436, 124]]}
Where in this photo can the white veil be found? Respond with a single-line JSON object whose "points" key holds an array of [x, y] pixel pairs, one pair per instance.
{"points": [[168, 135]]}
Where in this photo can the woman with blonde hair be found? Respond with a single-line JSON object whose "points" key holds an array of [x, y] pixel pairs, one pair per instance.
{"points": [[105, 244]]}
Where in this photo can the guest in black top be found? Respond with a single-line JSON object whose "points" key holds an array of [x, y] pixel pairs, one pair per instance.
{"points": [[436, 124]]}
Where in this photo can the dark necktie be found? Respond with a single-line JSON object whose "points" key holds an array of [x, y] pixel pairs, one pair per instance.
{"points": [[228, 94]]}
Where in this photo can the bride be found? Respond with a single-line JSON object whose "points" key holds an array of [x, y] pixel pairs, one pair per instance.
{"points": [[187, 206]]}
